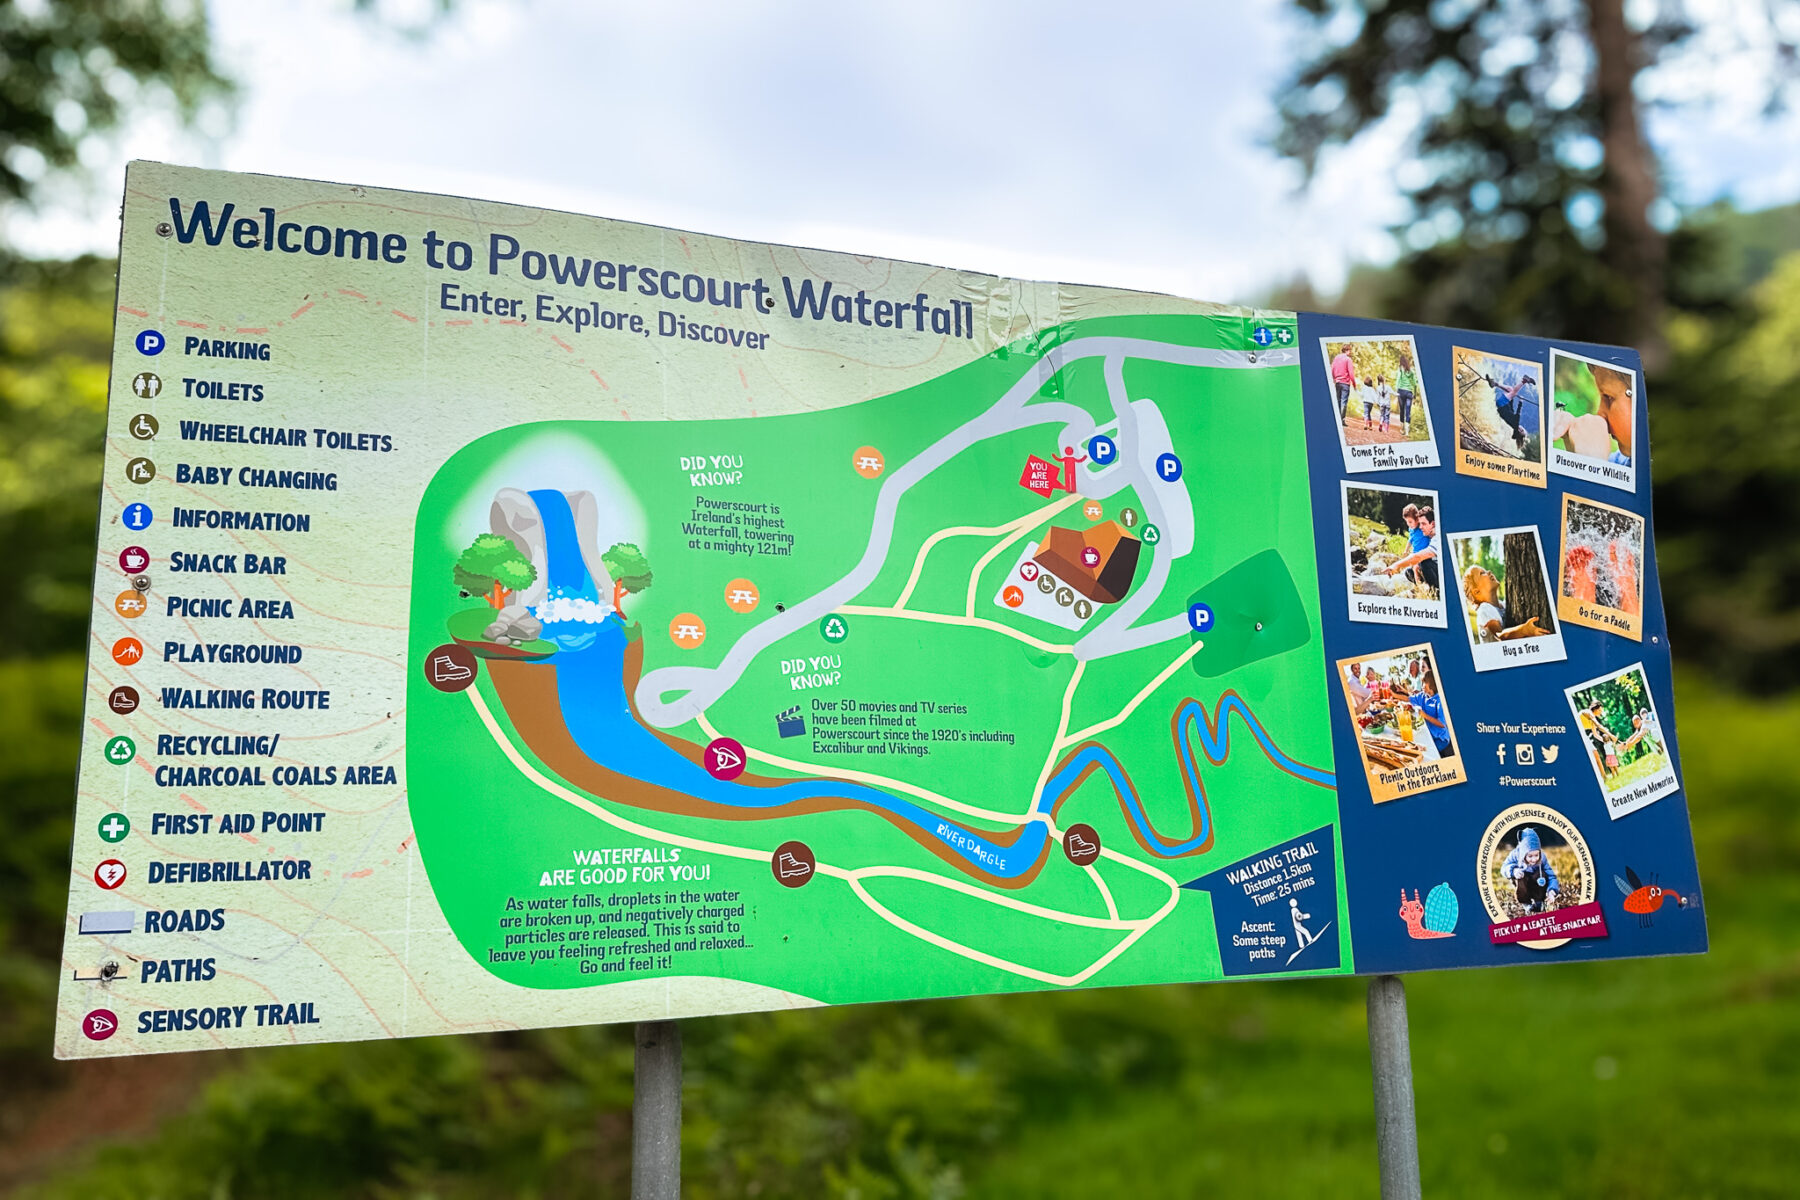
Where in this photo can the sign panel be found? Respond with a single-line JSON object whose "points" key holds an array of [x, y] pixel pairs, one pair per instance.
{"points": [[508, 618]]}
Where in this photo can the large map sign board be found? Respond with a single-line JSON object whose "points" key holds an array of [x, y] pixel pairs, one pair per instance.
{"points": [[507, 618]]}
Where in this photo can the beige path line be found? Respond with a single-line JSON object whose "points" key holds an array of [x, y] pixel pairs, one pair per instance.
{"points": [[868, 777], [1042, 514], [969, 889], [1124, 714], [943, 943], [1028, 520], [1105, 892], [907, 614]]}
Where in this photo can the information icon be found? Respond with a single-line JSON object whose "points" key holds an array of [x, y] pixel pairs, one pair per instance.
{"points": [[834, 628], [138, 516]]}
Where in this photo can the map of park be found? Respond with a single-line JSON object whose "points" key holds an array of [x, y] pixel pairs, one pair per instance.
{"points": [[956, 687]]}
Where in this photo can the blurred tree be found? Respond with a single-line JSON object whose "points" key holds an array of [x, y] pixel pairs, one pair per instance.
{"points": [[72, 70], [1535, 196]]}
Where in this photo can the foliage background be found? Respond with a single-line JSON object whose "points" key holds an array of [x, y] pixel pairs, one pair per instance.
{"points": [[1649, 1078]]}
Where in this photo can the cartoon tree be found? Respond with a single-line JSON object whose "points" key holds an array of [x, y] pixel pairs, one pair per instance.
{"points": [[493, 568], [630, 571]]}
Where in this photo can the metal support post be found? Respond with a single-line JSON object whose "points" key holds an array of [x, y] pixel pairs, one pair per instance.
{"points": [[1396, 1127], [656, 1112]]}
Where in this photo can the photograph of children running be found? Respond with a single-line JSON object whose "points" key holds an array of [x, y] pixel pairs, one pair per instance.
{"points": [[1378, 398], [1623, 736], [1499, 416], [1508, 609]]}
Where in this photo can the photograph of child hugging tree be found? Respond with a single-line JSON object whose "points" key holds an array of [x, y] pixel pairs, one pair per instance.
{"points": [[1534, 870], [1507, 607]]}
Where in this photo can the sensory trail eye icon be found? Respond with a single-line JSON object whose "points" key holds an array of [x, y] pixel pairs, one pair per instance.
{"points": [[99, 1024], [724, 758]]}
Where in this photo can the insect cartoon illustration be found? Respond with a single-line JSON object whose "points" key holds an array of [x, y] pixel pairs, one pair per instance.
{"points": [[1644, 899]]}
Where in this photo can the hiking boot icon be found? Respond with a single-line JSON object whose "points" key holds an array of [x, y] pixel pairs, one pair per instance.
{"points": [[445, 669], [789, 867], [1080, 846], [793, 864]]}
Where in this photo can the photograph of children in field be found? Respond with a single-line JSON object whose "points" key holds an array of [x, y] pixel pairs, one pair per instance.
{"points": [[1623, 737], [1593, 420], [1533, 869], [1395, 564], [1402, 722], [1601, 578], [1507, 611], [1378, 398], [1499, 416]]}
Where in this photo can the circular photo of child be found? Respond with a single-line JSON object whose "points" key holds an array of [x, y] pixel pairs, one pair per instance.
{"points": [[1533, 861]]}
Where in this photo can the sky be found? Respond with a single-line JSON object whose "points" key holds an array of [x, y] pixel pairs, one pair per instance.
{"points": [[1121, 145]]}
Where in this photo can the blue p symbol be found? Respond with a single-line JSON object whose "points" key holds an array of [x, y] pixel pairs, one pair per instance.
{"points": [[1168, 467], [1102, 449], [150, 342], [1200, 617]]}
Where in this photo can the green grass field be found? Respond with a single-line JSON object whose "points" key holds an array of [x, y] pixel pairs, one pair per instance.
{"points": [[1654, 1078]]}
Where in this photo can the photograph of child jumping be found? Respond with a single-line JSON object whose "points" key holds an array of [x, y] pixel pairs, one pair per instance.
{"points": [[1378, 399], [1499, 417], [1395, 564], [1508, 615], [1623, 737], [1593, 420]]}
